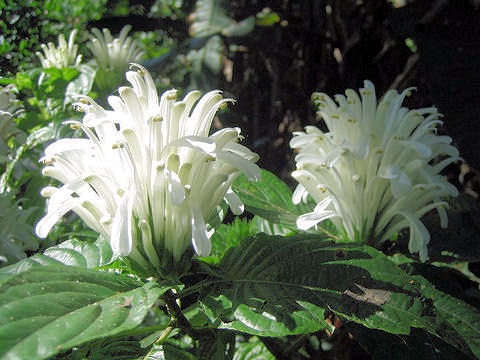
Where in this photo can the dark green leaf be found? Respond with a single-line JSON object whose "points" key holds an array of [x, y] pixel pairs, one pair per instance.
{"points": [[459, 241], [456, 321], [278, 286], [215, 344], [112, 348], [169, 352], [47, 310], [418, 345]]}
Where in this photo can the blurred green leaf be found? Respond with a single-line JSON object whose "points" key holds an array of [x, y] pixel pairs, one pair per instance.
{"points": [[267, 17], [23, 81], [253, 349], [418, 345], [241, 28], [210, 17], [82, 85]]}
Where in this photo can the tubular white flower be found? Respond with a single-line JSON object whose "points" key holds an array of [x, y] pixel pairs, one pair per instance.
{"points": [[64, 55], [148, 176], [373, 172], [113, 56]]}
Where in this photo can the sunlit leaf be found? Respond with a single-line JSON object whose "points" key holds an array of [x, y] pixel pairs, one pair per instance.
{"points": [[72, 252], [46, 310]]}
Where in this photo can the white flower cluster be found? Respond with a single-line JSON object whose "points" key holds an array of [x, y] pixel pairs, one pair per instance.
{"points": [[373, 172], [65, 55], [148, 176], [113, 55]]}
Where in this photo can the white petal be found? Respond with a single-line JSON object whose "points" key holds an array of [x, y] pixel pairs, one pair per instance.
{"points": [[175, 188], [234, 202], [298, 194], [247, 167], [422, 149], [54, 214], [361, 149], [333, 156], [390, 172], [308, 220], [322, 205], [200, 241], [63, 145], [197, 142], [419, 236], [401, 185], [121, 238]]}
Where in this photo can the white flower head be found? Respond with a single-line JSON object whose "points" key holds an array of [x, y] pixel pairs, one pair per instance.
{"points": [[373, 172], [65, 55], [148, 176], [113, 55]]}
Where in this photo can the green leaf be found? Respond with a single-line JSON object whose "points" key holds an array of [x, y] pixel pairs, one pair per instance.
{"points": [[40, 136], [271, 199], [278, 286], [455, 321], [47, 310], [72, 252], [69, 73], [23, 81], [227, 236]]}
